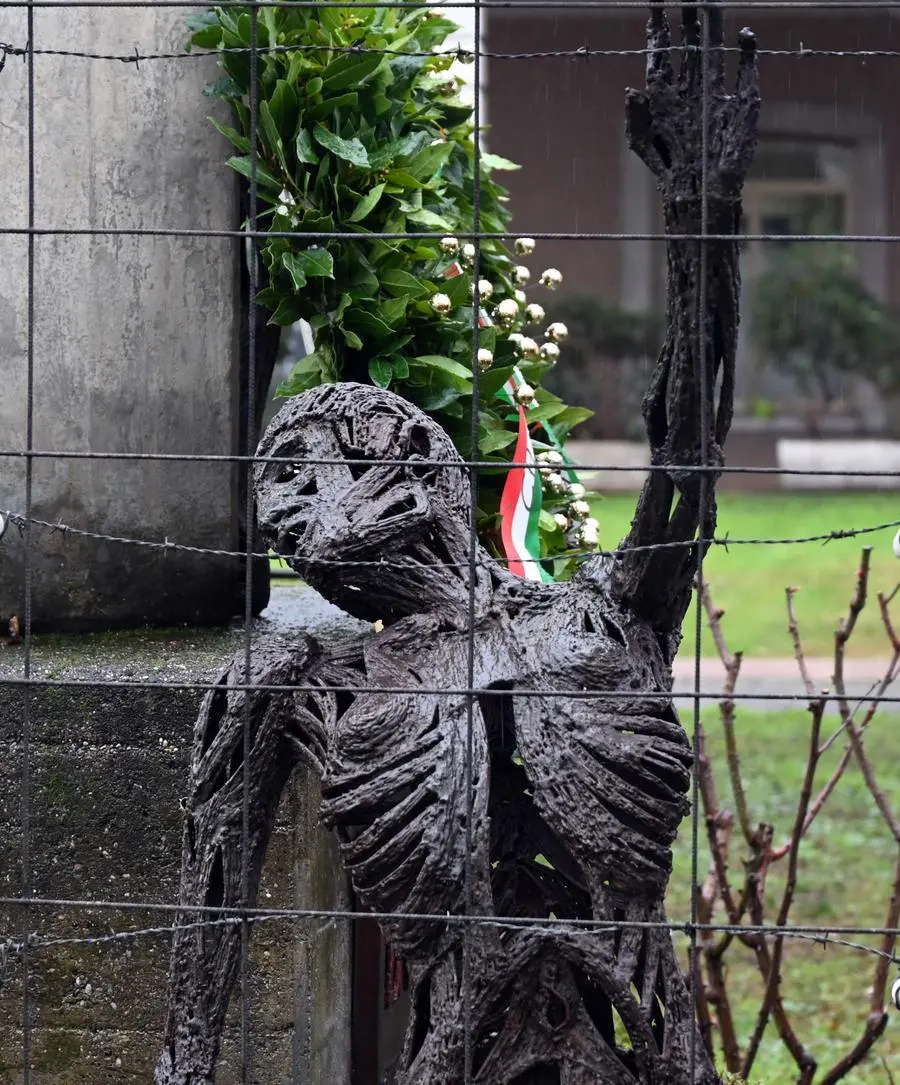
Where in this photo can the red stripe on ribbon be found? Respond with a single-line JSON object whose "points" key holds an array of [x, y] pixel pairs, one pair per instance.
{"points": [[512, 490]]}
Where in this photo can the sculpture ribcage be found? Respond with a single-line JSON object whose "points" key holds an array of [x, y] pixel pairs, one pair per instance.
{"points": [[593, 785]]}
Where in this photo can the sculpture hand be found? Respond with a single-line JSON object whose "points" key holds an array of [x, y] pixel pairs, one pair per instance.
{"points": [[664, 123]]}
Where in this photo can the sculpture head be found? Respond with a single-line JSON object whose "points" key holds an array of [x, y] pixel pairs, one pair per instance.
{"points": [[379, 539]]}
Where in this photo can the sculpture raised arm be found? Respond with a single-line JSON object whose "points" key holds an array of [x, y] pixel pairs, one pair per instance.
{"points": [[700, 178], [554, 789]]}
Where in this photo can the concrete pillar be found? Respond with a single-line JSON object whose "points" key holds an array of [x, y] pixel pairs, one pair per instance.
{"points": [[135, 338]]}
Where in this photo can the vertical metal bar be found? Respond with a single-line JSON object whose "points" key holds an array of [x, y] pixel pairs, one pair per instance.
{"points": [[28, 573], [473, 548], [246, 1060], [701, 375], [367, 995]]}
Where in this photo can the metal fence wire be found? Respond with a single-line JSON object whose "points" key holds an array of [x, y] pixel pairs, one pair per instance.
{"points": [[31, 950]]}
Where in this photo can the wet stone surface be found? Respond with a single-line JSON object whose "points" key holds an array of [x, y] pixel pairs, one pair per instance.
{"points": [[103, 823]]}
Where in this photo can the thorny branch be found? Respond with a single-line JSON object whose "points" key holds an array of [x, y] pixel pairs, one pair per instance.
{"points": [[844, 631], [732, 665], [794, 631], [714, 1008], [772, 995], [715, 993]]}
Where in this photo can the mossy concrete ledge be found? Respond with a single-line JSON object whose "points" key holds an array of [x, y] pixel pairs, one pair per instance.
{"points": [[103, 823]]}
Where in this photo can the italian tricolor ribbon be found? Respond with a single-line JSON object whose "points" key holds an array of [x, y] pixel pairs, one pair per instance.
{"points": [[570, 471], [520, 502]]}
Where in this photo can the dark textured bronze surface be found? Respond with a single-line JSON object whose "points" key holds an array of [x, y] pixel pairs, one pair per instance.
{"points": [[596, 787]]}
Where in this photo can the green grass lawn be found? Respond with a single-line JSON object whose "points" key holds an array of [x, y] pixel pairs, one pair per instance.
{"points": [[749, 581], [845, 873]]}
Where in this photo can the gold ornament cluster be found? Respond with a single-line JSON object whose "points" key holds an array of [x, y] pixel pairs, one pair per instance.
{"points": [[575, 516], [511, 312]]}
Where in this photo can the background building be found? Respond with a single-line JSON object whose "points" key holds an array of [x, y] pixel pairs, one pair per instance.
{"points": [[827, 161]]}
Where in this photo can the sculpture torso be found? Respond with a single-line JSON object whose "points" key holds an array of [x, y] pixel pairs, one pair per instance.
{"points": [[576, 796]]}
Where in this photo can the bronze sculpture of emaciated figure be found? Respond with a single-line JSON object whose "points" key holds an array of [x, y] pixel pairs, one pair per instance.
{"points": [[417, 785]]}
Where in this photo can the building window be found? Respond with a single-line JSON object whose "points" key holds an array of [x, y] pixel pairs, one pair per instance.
{"points": [[794, 187]]}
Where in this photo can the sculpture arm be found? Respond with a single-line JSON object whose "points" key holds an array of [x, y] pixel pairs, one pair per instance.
{"points": [[283, 731], [700, 181]]}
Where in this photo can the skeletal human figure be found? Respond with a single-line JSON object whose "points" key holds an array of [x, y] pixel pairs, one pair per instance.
{"points": [[569, 747]]}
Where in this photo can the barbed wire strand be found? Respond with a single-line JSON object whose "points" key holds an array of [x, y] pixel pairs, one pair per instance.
{"points": [[487, 5], [643, 697], [37, 942], [579, 52], [19, 520], [461, 464], [219, 914], [28, 570], [433, 235], [233, 911], [249, 527], [700, 375], [472, 579]]}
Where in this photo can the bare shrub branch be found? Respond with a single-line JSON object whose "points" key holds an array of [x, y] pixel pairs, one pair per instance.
{"points": [[732, 664], [714, 1006]]}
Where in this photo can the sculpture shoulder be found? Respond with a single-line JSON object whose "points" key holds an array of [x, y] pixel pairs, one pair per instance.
{"points": [[285, 685]]}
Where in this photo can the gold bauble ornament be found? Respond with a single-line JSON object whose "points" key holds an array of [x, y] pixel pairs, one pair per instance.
{"points": [[581, 510], [534, 313], [551, 278], [550, 352], [521, 275], [524, 246], [529, 349], [484, 289], [441, 304], [557, 332], [524, 395], [520, 297], [485, 358], [561, 521], [468, 254], [449, 245], [507, 311]]}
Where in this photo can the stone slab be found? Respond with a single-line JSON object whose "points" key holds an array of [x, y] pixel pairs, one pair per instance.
{"points": [[108, 766]]}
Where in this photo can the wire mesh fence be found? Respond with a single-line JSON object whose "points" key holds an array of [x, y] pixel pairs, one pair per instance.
{"points": [[30, 943]]}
